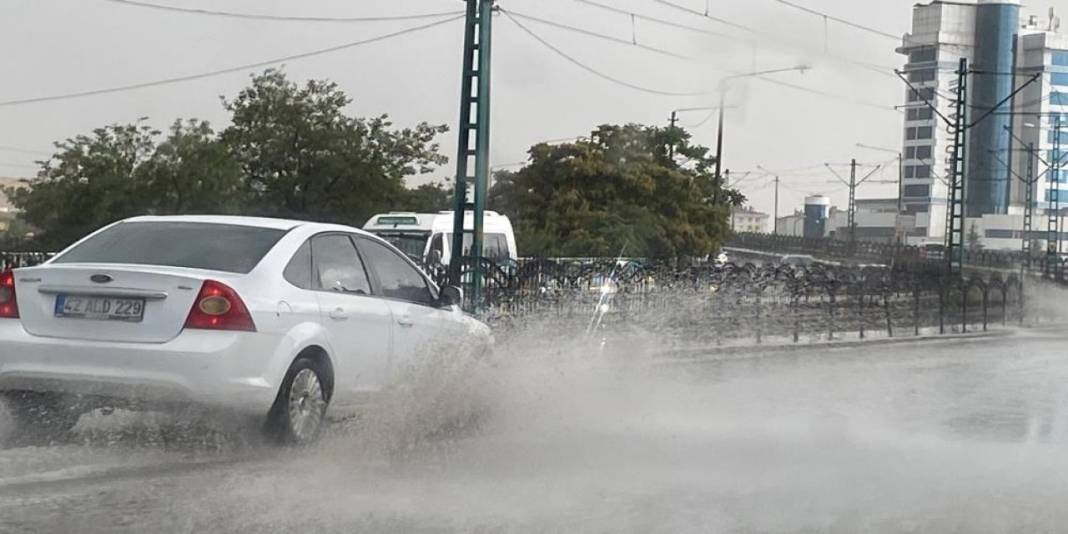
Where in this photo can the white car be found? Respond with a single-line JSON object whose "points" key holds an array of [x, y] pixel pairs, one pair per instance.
{"points": [[275, 318]]}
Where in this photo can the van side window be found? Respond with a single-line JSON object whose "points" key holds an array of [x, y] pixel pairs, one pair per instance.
{"points": [[437, 244]]}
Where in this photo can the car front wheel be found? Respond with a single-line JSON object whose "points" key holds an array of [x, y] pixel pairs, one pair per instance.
{"points": [[299, 412]]}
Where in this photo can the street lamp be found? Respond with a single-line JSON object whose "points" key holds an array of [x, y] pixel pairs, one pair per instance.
{"points": [[722, 99]]}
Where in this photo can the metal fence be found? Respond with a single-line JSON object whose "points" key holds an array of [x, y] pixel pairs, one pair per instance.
{"points": [[1038, 264], [705, 303], [709, 303]]}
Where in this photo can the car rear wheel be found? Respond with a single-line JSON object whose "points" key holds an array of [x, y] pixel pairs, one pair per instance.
{"points": [[299, 412], [38, 418]]}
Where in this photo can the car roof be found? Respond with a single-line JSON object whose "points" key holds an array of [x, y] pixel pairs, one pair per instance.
{"points": [[257, 222]]}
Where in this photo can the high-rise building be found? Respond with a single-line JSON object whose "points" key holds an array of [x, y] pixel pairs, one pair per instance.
{"points": [[942, 33], [1002, 55]]}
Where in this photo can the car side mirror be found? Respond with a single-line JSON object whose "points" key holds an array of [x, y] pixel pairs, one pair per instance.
{"points": [[451, 296]]}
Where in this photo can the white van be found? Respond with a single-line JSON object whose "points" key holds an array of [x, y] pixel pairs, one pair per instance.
{"points": [[426, 235]]}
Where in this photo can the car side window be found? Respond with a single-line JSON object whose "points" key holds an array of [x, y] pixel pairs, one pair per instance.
{"points": [[337, 266], [396, 276], [299, 270]]}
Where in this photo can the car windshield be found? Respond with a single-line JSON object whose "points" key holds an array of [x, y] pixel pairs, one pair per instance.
{"points": [[411, 243], [215, 247]]}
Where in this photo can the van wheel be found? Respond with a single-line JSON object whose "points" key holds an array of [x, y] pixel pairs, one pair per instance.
{"points": [[299, 412], [38, 418]]}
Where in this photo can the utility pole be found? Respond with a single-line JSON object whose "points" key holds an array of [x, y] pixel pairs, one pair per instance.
{"points": [[674, 121], [474, 97], [958, 164], [1029, 206], [853, 201], [1053, 240], [775, 221]]}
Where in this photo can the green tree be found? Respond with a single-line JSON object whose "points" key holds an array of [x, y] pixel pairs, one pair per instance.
{"points": [[191, 171], [427, 198], [89, 182], [639, 190], [120, 171], [303, 157]]}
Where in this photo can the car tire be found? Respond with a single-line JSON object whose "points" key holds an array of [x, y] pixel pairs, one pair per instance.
{"points": [[298, 415], [38, 418]]}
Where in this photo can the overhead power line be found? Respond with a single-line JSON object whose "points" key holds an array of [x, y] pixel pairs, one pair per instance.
{"points": [[664, 22], [879, 69], [839, 20], [594, 71], [596, 35], [725, 22], [228, 70], [278, 18], [660, 92], [23, 150]]}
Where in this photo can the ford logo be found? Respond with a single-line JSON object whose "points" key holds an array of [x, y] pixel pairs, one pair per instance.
{"points": [[101, 278]]}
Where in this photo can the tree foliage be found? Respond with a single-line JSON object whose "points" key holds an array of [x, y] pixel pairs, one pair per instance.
{"points": [[303, 157], [290, 151], [633, 190]]}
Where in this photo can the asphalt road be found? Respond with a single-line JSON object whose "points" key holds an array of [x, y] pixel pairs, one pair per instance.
{"points": [[961, 436]]}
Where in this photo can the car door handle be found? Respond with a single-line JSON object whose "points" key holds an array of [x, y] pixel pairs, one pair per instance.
{"points": [[405, 321], [339, 315]]}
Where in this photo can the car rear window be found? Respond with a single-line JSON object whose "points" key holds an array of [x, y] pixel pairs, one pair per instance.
{"points": [[216, 247]]}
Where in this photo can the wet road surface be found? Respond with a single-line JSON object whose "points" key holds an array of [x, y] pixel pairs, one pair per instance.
{"points": [[961, 436]]}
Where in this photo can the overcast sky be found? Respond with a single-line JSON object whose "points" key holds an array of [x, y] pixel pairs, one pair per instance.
{"points": [[63, 46]]}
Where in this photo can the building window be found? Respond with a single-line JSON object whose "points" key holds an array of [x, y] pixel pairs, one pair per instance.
{"points": [[923, 171], [910, 152], [1053, 195], [1059, 78], [923, 152], [1060, 58], [922, 55], [910, 172], [1002, 234], [924, 132], [921, 94], [920, 114], [917, 191], [922, 75], [1058, 99]]}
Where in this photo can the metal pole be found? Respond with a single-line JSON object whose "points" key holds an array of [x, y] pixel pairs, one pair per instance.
{"points": [[900, 197], [674, 121], [852, 215], [485, 47], [775, 226], [719, 144], [1029, 206], [1053, 237]]}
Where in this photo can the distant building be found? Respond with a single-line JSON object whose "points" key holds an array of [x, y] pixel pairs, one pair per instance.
{"points": [[817, 210], [749, 220], [791, 225]]}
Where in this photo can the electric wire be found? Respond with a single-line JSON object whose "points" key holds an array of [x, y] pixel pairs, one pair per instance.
{"points": [[23, 150], [279, 18], [228, 70], [598, 35]]}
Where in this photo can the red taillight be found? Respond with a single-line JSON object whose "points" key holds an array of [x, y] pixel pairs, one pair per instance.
{"points": [[219, 308], [9, 305]]}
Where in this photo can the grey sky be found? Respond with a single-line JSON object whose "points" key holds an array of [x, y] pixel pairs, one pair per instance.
{"points": [[60, 46]]}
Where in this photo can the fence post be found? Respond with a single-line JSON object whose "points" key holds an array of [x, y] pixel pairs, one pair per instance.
{"points": [[965, 289], [916, 308], [986, 293], [889, 313], [942, 310], [862, 321], [831, 305]]}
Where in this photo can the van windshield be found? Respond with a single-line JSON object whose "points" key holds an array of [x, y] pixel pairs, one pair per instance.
{"points": [[411, 243]]}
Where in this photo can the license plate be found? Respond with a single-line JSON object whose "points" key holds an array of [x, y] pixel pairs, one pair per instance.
{"points": [[100, 308]]}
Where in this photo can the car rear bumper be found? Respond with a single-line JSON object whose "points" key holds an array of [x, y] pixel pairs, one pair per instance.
{"points": [[228, 370]]}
